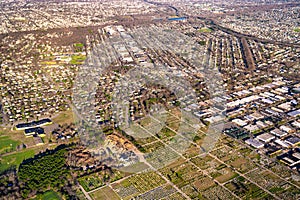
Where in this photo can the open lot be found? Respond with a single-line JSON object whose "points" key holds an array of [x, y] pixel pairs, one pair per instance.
{"points": [[242, 164], [64, 117], [98, 179], [225, 174]]}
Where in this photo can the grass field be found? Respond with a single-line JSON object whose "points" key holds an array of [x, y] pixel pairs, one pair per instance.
{"points": [[105, 193], [49, 195], [78, 45], [15, 159], [64, 117], [205, 30], [297, 30], [16, 136], [77, 59], [7, 144]]}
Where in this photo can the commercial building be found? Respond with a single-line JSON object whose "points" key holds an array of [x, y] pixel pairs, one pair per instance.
{"points": [[33, 124], [254, 143], [265, 137]]}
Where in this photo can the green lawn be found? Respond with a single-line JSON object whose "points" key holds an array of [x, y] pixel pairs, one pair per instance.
{"points": [[77, 59], [49, 195], [7, 144], [205, 30], [297, 30], [78, 45], [15, 159]]}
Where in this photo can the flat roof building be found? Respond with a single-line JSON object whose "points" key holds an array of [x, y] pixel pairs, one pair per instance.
{"points": [[239, 122], [33, 124], [254, 143], [282, 143], [291, 158], [251, 128], [34, 131], [295, 113], [278, 132], [293, 140], [265, 137]]}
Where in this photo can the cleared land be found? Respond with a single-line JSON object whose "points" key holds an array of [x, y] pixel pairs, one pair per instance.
{"points": [[64, 117]]}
